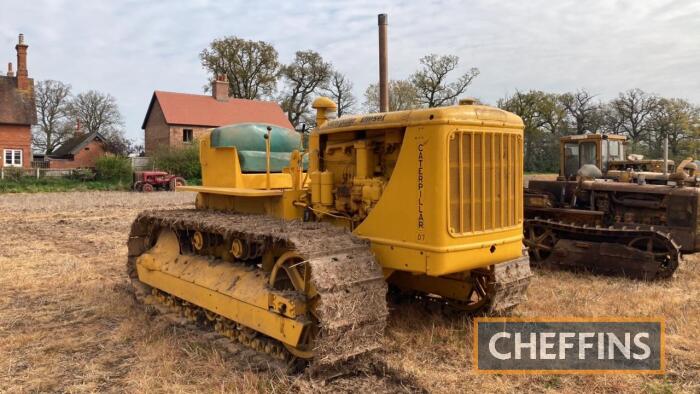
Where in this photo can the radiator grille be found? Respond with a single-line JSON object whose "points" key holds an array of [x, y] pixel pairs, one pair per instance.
{"points": [[485, 185]]}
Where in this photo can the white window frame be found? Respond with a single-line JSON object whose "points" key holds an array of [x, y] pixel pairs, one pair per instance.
{"points": [[13, 162]]}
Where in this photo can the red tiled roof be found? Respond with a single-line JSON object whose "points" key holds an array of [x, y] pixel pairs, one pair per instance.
{"points": [[202, 110], [74, 144], [16, 106]]}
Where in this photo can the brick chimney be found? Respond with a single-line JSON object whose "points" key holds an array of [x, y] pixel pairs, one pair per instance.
{"points": [[78, 129], [219, 88], [10, 73], [22, 73]]}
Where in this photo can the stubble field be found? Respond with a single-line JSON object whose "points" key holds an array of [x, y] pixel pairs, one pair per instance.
{"points": [[68, 324]]}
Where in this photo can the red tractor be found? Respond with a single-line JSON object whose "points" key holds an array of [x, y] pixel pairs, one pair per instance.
{"points": [[148, 181]]}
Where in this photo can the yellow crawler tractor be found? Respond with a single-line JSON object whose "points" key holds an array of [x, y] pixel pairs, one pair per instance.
{"points": [[290, 250]]}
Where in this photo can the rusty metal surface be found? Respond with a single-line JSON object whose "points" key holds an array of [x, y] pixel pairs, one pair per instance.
{"points": [[578, 216], [616, 250], [668, 209], [383, 21], [537, 185]]}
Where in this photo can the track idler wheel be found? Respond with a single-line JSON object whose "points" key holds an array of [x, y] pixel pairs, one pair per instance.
{"points": [[665, 254], [540, 242], [292, 272]]}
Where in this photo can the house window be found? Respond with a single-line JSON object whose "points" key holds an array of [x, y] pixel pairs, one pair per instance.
{"points": [[13, 157], [186, 135]]}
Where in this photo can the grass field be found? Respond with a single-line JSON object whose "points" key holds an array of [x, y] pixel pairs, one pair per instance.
{"points": [[33, 185], [67, 324], [42, 185]]}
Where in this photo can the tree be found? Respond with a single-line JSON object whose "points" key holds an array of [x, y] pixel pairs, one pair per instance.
{"points": [[673, 118], [402, 96], [251, 66], [611, 122], [544, 120], [307, 73], [52, 99], [631, 112], [122, 146], [537, 109], [431, 80], [552, 114], [94, 111], [339, 88], [585, 115]]}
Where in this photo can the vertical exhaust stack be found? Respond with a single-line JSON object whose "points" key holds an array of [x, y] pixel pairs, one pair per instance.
{"points": [[383, 20]]}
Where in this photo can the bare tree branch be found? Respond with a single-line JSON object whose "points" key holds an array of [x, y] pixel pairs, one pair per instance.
{"points": [[339, 88], [430, 80], [402, 96], [585, 114], [98, 112], [632, 111], [52, 99], [307, 73]]}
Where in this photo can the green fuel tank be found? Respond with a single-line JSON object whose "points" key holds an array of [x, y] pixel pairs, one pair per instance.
{"points": [[249, 141]]}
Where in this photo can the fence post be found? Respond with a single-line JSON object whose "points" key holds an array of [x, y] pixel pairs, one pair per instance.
{"points": [[37, 173]]}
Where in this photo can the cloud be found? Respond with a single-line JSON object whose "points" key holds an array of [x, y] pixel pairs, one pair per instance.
{"points": [[130, 48]]}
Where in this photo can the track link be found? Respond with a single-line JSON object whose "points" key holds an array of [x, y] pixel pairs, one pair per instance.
{"points": [[633, 251], [263, 351], [509, 283], [352, 310]]}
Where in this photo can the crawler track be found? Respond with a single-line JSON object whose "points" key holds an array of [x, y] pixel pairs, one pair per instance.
{"points": [[632, 251], [508, 285], [496, 290], [258, 352], [352, 309]]}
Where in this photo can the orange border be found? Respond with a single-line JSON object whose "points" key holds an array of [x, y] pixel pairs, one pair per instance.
{"points": [[568, 319]]}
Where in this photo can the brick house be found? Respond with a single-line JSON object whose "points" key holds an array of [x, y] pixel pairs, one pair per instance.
{"points": [[80, 151], [177, 119], [17, 112]]}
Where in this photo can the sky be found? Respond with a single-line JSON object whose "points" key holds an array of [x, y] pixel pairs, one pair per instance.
{"points": [[131, 48]]}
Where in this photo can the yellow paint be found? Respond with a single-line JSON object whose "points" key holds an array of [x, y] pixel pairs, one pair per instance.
{"points": [[221, 168], [295, 170], [232, 290], [316, 187], [327, 188], [437, 191], [233, 191], [362, 159], [325, 109]]}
